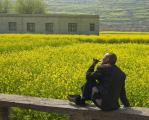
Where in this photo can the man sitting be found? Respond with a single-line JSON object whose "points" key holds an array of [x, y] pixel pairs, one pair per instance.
{"points": [[104, 86]]}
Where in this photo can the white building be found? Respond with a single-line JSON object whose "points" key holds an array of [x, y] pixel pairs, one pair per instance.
{"points": [[49, 24]]}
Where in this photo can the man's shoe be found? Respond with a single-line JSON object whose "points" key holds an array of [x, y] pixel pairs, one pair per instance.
{"points": [[76, 99], [81, 103]]}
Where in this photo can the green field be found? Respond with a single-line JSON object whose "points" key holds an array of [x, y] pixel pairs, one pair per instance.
{"points": [[54, 66]]}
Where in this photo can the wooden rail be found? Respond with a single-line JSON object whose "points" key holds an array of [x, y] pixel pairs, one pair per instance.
{"points": [[63, 106]]}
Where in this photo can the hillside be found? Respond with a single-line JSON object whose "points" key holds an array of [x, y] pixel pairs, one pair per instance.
{"points": [[114, 14]]}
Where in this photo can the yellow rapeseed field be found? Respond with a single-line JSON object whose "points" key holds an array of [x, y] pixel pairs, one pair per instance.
{"points": [[54, 66]]}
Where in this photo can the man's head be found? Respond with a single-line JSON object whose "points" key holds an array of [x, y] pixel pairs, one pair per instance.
{"points": [[109, 58]]}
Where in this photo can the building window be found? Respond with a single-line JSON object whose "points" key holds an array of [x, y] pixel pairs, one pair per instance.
{"points": [[30, 27], [72, 27], [92, 27], [12, 26], [49, 27]]}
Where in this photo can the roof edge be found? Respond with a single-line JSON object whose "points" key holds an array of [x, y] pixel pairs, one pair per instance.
{"points": [[48, 15]]}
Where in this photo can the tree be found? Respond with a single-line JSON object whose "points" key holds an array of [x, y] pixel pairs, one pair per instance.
{"points": [[30, 6], [4, 6]]}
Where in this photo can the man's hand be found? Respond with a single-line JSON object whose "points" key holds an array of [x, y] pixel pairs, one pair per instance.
{"points": [[95, 61]]}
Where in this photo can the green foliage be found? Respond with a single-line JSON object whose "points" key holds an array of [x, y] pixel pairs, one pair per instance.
{"points": [[5, 6], [54, 66], [30, 6]]}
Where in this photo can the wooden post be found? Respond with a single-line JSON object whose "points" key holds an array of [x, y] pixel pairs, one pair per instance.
{"points": [[5, 113]]}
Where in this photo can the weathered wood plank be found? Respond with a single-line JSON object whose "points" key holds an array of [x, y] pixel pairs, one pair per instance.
{"points": [[42, 104]]}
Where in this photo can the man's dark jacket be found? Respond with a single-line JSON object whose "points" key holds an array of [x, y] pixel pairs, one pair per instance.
{"points": [[111, 85]]}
